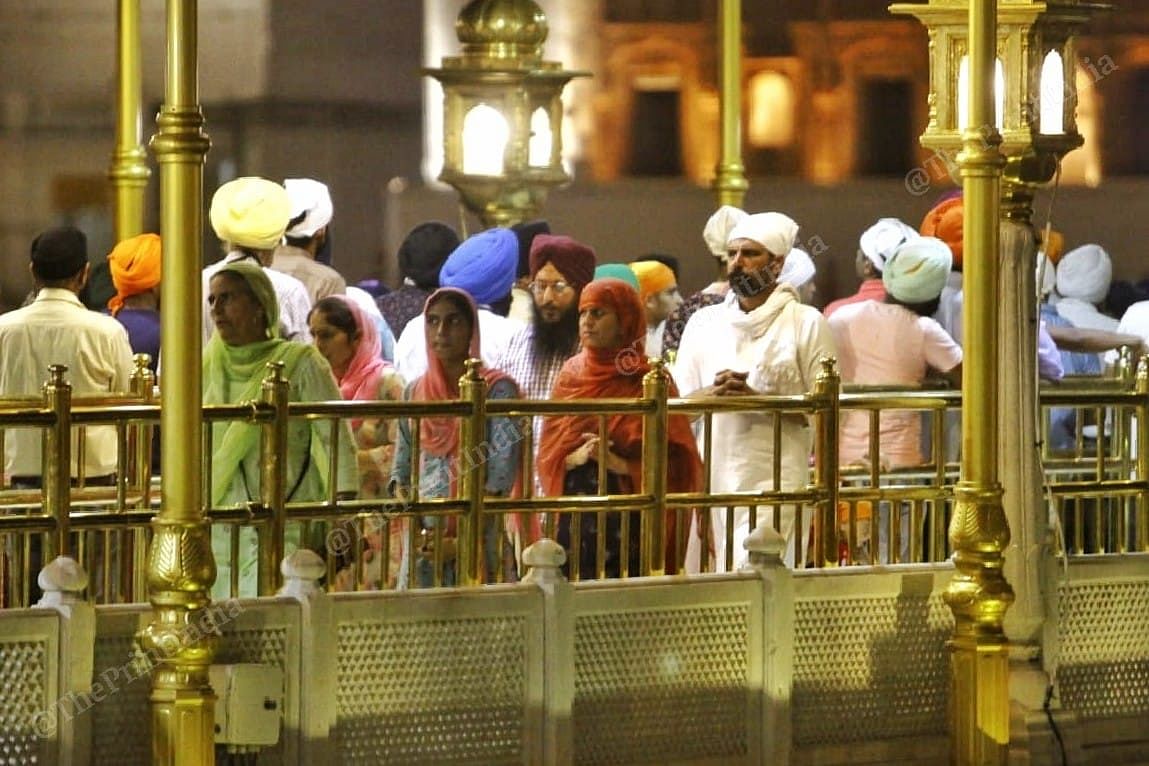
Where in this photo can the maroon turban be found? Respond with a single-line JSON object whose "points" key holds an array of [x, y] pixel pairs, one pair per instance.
{"points": [[575, 260]]}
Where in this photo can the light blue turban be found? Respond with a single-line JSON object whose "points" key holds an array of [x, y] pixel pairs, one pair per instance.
{"points": [[917, 271]]}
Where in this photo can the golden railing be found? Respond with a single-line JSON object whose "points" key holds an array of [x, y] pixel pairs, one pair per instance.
{"points": [[1098, 486]]}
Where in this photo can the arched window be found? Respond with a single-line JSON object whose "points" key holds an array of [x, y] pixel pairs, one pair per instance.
{"points": [[485, 135]]}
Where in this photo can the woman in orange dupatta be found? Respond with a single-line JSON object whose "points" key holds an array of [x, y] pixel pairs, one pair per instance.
{"points": [[611, 365], [451, 327]]}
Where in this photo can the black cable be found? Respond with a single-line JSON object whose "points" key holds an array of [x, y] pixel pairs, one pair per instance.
{"points": [[1053, 725]]}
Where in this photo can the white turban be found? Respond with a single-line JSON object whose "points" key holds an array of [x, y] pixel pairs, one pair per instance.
{"points": [[1084, 273], [917, 271], [798, 268], [309, 199], [718, 227], [774, 231], [250, 212], [1046, 276], [880, 241]]}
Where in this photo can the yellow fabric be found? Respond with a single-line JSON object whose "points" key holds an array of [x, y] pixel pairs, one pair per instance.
{"points": [[653, 277], [135, 268], [1054, 246], [250, 212]]}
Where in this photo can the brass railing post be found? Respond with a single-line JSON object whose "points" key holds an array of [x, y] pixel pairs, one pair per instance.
{"points": [[655, 452], [56, 457], [471, 466], [1141, 382], [979, 594], [181, 569], [827, 387], [730, 182], [273, 479], [129, 172], [143, 385]]}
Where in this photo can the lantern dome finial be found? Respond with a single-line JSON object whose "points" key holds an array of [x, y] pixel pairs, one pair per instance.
{"points": [[502, 29]]}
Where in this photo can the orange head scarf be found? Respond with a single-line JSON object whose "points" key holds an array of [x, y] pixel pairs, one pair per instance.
{"points": [[945, 223], [135, 267], [440, 436], [597, 373]]}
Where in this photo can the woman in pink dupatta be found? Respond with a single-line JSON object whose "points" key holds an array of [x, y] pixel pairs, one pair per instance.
{"points": [[349, 339]]}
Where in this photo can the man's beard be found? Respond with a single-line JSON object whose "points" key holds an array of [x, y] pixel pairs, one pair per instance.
{"points": [[556, 338]]}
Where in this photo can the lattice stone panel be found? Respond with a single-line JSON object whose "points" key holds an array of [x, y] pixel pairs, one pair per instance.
{"points": [[870, 668], [439, 691], [657, 685], [121, 730], [24, 684], [1104, 662]]}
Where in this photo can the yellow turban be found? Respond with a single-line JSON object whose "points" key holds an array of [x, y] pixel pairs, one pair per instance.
{"points": [[251, 212], [653, 277], [135, 268]]}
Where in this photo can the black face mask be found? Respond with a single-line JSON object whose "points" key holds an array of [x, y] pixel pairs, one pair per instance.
{"points": [[750, 284]]}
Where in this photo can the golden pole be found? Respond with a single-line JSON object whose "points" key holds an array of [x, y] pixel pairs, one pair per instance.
{"points": [[472, 473], [655, 453], [180, 565], [979, 594], [129, 172], [730, 183]]}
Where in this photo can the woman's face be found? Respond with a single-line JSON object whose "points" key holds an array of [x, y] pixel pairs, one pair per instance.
{"points": [[239, 318], [598, 327], [333, 342], [448, 331]]}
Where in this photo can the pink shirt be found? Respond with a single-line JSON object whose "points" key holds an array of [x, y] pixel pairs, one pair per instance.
{"points": [[869, 290], [887, 344]]}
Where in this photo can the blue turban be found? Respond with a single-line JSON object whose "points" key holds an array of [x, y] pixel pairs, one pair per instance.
{"points": [[483, 265]]}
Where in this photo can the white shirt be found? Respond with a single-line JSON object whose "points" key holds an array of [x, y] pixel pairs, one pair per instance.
{"points": [[495, 333], [780, 345], [950, 305], [1085, 315], [294, 301], [57, 329], [1135, 321]]}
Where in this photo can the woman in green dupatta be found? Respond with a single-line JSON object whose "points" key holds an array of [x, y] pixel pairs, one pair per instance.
{"points": [[246, 316]]}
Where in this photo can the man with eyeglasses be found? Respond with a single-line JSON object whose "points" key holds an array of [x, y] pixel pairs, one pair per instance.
{"points": [[560, 268]]}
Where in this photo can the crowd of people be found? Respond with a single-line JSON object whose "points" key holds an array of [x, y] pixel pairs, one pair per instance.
{"points": [[549, 321]]}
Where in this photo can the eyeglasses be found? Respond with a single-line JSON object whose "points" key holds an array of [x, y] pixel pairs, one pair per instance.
{"points": [[540, 288]]}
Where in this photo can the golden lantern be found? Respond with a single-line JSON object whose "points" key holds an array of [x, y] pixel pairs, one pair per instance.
{"points": [[503, 112], [1035, 92]]}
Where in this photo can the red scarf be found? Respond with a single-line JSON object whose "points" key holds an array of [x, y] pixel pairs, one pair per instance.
{"points": [[360, 381], [597, 373]]}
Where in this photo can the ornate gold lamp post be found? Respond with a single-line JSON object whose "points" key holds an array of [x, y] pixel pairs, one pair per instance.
{"points": [[1002, 92], [503, 112]]}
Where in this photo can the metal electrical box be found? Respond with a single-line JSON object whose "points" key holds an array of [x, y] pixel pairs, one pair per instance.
{"points": [[249, 707]]}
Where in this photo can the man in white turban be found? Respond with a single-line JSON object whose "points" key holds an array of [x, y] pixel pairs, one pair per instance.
{"points": [[895, 343], [311, 213], [714, 234], [250, 215], [1083, 276], [760, 339], [875, 247], [798, 271]]}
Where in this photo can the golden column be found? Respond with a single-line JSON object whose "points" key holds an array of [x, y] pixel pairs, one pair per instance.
{"points": [[730, 183], [129, 172], [180, 565], [979, 594]]}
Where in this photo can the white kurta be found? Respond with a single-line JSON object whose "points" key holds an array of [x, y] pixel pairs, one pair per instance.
{"points": [[779, 345]]}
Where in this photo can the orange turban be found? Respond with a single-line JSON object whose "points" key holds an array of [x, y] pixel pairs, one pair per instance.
{"points": [[135, 267], [653, 277], [1054, 246], [945, 223]]}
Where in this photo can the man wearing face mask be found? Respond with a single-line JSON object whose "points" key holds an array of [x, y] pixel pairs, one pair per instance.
{"points": [[761, 340]]}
